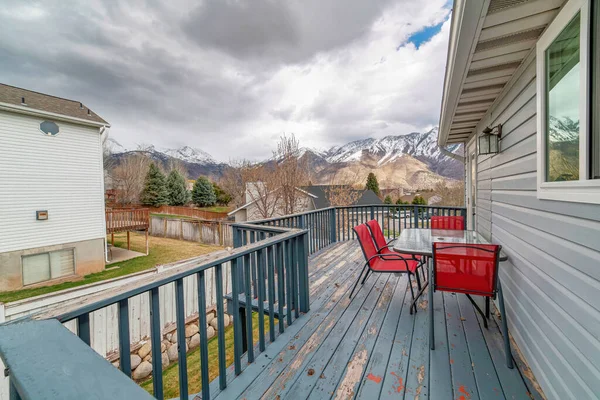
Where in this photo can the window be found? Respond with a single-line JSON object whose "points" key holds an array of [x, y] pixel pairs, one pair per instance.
{"points": [[567, 141], [46, 266], [49, 128]]}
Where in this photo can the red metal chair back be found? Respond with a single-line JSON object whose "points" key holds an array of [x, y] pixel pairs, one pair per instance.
{"points": [[366, 243], [466, 268], [448, 222], [377, 233]]}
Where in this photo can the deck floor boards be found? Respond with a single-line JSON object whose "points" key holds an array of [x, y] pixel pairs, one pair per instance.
{"points": [[370, 346]]}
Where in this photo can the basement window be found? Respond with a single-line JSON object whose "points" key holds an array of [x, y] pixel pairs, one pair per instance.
{"points": [[566, 156], [43, 267]]}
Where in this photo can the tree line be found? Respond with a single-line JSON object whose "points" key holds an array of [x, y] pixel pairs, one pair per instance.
{"points": [[172, 190]]}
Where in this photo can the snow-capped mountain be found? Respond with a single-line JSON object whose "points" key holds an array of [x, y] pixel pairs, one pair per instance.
{"points": [[564, 129], [191, 155], [418, 145]]}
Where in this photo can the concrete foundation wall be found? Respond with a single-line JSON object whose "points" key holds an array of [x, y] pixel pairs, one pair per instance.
{"points": [[89, 258]]}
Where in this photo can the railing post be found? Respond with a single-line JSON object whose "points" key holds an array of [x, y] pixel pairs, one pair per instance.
{"points": [[302, 222], [416, 216], [372, 212], [303, 273], [332, 225]]}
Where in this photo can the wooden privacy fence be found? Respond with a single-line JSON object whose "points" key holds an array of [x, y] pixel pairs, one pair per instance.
{"points": [[190, 212], [195, 230]]}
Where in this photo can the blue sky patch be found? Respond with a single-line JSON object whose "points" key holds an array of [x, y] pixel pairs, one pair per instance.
{"points": [[424, 35]]}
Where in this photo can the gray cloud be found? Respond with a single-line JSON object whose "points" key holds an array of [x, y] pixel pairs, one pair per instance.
{"points": [[229, 76]]}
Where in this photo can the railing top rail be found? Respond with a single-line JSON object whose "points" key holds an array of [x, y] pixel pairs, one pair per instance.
{"points": [[182, 270], [262, 221]]}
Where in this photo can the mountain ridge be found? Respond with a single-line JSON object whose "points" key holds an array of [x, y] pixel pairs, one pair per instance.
{"points": [[412, 160]]}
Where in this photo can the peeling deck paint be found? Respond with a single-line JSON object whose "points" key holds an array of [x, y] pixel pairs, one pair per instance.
{"points": [[354, 372]]}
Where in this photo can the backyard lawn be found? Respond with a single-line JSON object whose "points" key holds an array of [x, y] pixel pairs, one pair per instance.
{"points": [[162, 251], [171, 373]]}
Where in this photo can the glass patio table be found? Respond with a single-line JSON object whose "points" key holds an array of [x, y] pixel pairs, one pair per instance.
{"points": [[419, 242]]}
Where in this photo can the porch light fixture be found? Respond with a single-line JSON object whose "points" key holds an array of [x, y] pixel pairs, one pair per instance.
{"points": [[489, 141]]}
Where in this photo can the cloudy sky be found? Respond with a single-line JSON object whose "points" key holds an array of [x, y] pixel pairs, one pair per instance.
{"points": [[230, 76]]}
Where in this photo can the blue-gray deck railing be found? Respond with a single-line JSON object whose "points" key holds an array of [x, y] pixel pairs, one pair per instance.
{"points": [[269, 270]]}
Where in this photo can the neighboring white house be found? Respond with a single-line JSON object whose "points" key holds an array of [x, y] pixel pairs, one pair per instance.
{"points": [[533, 68], [52, 219], [309, 198]]}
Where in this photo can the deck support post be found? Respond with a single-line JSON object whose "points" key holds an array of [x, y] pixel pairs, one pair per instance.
{"points": [[112, 238], [332, 225], [128, 241], [147, 243]]}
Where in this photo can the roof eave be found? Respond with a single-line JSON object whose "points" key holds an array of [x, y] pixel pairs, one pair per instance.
{"points": [[59, 117], [468, 17]]}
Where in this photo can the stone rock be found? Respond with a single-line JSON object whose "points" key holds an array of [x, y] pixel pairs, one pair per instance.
{"points": [[135, 361], [173, 338], [165, 359], [148, 358], [173, 353], [142, 371], [209, 317], [226, 320], [163, 347], [169, 336], [195, 341], [116, 364], [214, 323], [191, 330], [210, 332], [145, 350]]}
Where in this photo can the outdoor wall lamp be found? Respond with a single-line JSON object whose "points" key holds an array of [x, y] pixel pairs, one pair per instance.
{"points": [[489, 141]]}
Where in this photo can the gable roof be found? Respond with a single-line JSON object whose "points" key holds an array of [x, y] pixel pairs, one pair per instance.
{"points": [[35, 101], [367, 197], [254, 201]]}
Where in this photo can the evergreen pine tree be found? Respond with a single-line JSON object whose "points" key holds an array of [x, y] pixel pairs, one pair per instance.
{"points": [[155, 188], [388, 200], [372, 184], [178, 193], [203, 194], [223, 198]]}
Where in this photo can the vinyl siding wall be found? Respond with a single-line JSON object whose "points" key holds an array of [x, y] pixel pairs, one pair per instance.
{"points": [[61, 174], [552, 280]]}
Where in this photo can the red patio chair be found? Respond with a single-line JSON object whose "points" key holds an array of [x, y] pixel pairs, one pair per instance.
{"points": [[448, 222], [382, 263], [471, 269], [383, 247]]}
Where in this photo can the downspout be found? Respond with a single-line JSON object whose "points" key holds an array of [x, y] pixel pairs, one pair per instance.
{"points": [[450, 154], [102, 130]]}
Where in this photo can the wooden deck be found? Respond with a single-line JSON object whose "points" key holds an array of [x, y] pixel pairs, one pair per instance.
{"points": [[371, 347]]}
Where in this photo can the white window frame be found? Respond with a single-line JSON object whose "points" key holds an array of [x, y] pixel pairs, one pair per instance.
{"points": [[584, 190]]}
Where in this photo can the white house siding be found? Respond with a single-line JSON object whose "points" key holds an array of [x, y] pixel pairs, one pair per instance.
{"points": [[552, 280], [61, 174]]}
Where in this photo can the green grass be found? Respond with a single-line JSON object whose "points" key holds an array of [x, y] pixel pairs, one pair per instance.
{"points": [[219, 209], [162, 251], [170, 216], [171, 373]]}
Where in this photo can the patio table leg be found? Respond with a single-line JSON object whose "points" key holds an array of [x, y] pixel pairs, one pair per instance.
{"points": [[431, 324]]}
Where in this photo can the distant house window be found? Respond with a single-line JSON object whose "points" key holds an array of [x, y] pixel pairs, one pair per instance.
{"points": [[49, 128], [47, 266], [564, 63]]}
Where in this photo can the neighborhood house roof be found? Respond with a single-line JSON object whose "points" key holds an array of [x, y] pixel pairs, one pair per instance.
{"points": [[44, 102], [321, 200], [318, 193]]}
